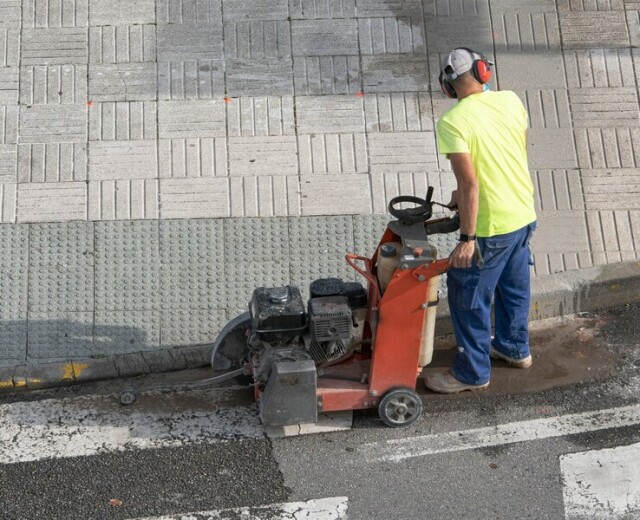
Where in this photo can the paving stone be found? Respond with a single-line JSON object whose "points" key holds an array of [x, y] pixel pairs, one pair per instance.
{"points": [[258, 77], [14, 251], [590, 5], [188, 11], [191, 79], [255, 10], [391, 35], [521, 6], [193, 157], [9, 80], [544, 70], [45, 14], [257, 39], [9, 46], [319, 9], [127, 267], [449, 9], [398, 112], [63, 335], [123, 199], [611, 189], [383, 8], [608, 147], [367, 231], [385, 187], [593, 29], [602, 226], [407, 152], [122, 44], [558, 190], [547, 108], [135, 120], [610, 108], [263, 115], [248, 268], [264, 196], [121, 332], [333, 153], [8, 197], [8, 124], [178, 42], [194, 198], [197, 119], [315, 75], [121, 12], [10, 12], [443, 32], [335, 194], [324, 37], [53, 84], [45, 202], [191, 274], [53, 123], [526, 32], [599, 68], [329, 114], [550, 148], [561, 232], [63, 46], [123, 160], [95, 369], [131, 364], [633, 24], [52, 162], [8, 163], [272, 155], [395, 73], [122, 82]]}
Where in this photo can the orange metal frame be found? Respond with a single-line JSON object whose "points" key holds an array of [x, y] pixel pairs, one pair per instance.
{"points": [[394, 325]]}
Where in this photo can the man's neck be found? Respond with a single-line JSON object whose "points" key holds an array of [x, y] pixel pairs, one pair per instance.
{"points": [[470, 90]]}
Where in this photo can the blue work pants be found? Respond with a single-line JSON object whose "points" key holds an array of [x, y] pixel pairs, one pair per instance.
{"points": [[505, 279]]}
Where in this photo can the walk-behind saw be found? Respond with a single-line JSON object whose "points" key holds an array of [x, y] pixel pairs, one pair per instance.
{"points": [[348, 347]]}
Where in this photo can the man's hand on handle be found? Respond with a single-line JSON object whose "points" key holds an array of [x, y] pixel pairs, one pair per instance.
{"points": [[462, 255]]}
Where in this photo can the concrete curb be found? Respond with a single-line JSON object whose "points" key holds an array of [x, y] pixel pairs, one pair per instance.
{"points": [[553, 295]]}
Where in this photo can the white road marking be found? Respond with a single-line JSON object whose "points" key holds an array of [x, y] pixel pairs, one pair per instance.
{"points": [[397, 450], [602, 483], [56, 428], [333, 508]]}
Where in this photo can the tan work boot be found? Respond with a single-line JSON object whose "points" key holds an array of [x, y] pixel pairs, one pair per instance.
{"points": [[516, 363], [445, 383]]}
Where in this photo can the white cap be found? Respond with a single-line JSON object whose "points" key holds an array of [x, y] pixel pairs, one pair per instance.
{"points": [[460, 61]]}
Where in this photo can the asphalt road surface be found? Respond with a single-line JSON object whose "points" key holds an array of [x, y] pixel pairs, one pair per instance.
{"points": [[561, 440]]}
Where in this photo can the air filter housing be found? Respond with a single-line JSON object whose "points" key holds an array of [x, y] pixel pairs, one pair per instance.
{"points": [[330, 318]]}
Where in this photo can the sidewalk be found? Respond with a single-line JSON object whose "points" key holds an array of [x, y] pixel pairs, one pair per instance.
{"points": [[159, 159]]}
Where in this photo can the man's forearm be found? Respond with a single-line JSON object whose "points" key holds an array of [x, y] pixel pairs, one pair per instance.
{"points": [[468, 207]]}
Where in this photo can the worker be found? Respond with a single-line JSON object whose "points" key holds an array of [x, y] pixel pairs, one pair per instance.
{"points": [[484, 137]]}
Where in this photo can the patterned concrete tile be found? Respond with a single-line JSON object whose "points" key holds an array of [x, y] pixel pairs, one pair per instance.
{"points": [[611, 189], [58, 334], [607, 246], [194, 198], [10, 12], [547, 108], [178, 42], [324, 37], [191, 79], [593, 29], [52, 162], [610, 108], [526, 32], [522, 6], [321, 9], [384, 8], [188, 119], [122, 44], [122, 82], [316, 75], [271, 155], [121, 332], [183, 328], [590, 5], [188, 11], [8, 163], [391, 35], [449, 8], [558, 190], [395, 73], [561, 232], [44, 202], [8, 197], [9, 46], [329, 114], [60, 46], [53, 123], [121, 12], [264, 196], [44, 14], [608, 147], [123, 199], [180, 158], [257, 39], [259, 77], [599, 68], [9, 84], [335, 194], [443, 32], [544, 70], [551, 148], [332, 153], [407, 152], [238, 10], [633, 24], [110, 121], [264, 115], [398, 112], [9, 124], [53, 84], [123, 160], [386, 186]]}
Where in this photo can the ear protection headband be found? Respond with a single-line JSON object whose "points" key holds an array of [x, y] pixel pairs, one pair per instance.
{"points": [[480, 70]]}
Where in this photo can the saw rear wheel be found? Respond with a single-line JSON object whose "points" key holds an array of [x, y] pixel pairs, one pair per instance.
{"points": [[400, 407]]}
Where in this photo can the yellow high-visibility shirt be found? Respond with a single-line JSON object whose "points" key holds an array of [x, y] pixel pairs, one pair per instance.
{"points": [[491, 127]]}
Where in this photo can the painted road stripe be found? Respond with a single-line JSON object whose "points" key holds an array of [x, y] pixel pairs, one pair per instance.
{"points": [[56, 428], [602, 483], [333, 508], [397, 450]]}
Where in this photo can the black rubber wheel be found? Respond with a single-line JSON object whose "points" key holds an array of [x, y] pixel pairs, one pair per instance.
{"points": [[400, 407], [127, 397]]}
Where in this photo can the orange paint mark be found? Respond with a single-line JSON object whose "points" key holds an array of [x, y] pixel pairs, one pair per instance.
{"points": [[228, 100], [89, 103], [359, 94]]}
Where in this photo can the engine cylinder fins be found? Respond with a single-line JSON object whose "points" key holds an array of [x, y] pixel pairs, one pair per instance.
{"points": [[327, 351], [330, 318]]}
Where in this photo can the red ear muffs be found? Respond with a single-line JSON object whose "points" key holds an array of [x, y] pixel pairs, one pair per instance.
{"points": [[446, 87], [481, 70]]}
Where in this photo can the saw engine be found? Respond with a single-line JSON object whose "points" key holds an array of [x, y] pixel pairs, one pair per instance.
{"points": [[327, 330]]}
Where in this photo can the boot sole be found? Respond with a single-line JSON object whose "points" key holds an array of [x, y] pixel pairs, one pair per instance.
{"points": [[515, 363]]}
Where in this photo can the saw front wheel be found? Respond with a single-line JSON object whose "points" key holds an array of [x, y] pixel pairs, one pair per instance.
{"points": [[400, 407]]}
